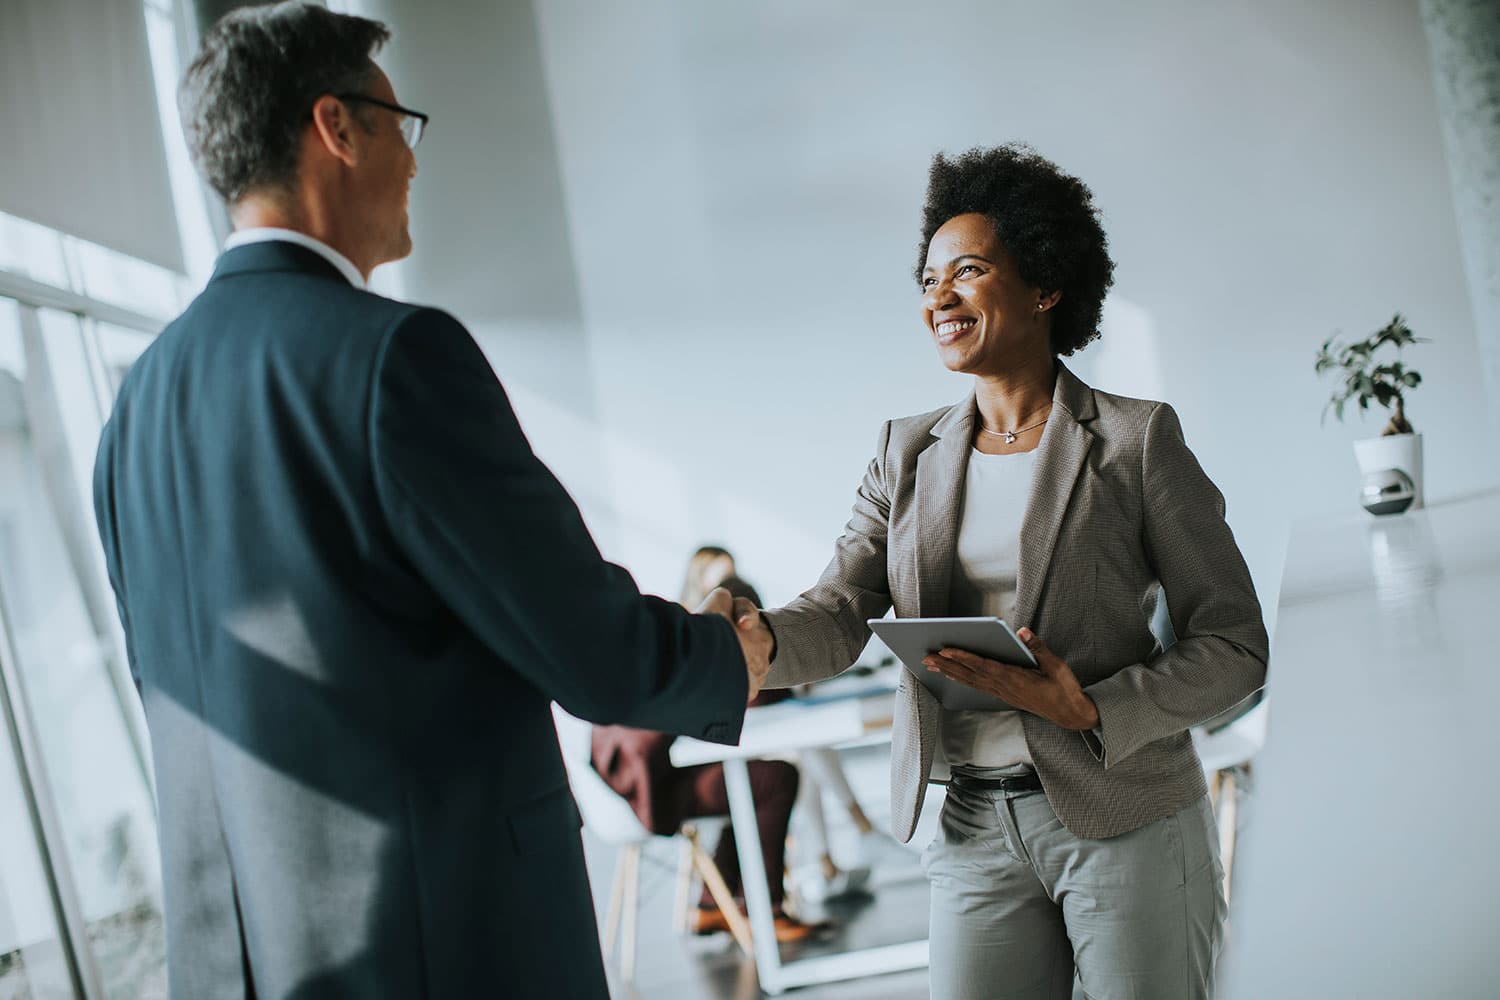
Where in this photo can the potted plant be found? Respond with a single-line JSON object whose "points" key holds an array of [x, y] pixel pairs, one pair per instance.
{"points": [[1372, 369]]}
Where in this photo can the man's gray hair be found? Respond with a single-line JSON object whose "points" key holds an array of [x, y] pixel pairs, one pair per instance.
{"points": [[249, 92]]}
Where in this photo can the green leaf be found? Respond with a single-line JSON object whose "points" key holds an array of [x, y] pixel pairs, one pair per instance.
{"points": [[1359, 378]]}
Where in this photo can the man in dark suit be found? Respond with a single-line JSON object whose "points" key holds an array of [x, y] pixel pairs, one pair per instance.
{"points": [[349, 588]]}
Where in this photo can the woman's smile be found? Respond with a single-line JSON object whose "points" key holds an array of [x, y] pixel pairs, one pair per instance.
{"points": [[950, 330]]}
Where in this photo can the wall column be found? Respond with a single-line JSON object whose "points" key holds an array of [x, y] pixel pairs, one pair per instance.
{"points": [[1463, 37]]}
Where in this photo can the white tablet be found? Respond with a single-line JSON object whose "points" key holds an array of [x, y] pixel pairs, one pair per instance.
{"points": [[913, 638]]}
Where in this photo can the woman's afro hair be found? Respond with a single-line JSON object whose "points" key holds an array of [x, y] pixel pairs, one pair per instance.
{"points": [[1044, 218]]}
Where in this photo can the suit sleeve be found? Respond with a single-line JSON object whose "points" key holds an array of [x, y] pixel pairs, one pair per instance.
{"points": [[822, 632], [1221, 650], [497, 536]]}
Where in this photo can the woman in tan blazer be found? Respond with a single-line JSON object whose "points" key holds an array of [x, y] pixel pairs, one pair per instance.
{"points": [[1076, 836]]}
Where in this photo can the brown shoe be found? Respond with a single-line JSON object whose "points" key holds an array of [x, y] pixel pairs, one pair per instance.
{"points": [[708, 920], [788, 930]]}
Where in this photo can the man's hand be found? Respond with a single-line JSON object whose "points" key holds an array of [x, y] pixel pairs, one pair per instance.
{"points": [[755, 639], [1050, 691]]}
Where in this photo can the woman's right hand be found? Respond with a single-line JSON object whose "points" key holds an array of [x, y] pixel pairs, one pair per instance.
{"points": [[756, 641]]}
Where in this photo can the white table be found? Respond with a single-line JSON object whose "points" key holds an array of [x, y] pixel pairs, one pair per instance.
{"points": [[1369, 867], [787, 727]]}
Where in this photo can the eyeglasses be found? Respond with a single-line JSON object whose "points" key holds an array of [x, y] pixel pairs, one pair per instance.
{"points": [[412, 123]]}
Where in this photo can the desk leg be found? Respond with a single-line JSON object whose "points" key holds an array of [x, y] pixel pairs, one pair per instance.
{"points": [[753, 875]]}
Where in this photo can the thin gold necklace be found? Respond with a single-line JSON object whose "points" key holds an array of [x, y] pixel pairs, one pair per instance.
{"points": [[1010, 436]]}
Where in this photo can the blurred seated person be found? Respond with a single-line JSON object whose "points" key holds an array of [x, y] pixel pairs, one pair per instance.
{"points": [[636, 763], [821, 879]]}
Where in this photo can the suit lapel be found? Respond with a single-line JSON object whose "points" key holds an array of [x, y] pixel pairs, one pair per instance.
{"points": [[1061, 456], [940, 489]]}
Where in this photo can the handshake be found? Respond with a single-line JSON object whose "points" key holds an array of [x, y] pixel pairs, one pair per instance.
{"points": [[756, 641]]}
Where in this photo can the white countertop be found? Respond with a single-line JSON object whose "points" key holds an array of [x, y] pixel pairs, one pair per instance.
{"points": [[1369, 865]]}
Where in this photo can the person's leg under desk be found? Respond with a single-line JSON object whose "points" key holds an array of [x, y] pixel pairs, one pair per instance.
{"points": [[773, 785]]}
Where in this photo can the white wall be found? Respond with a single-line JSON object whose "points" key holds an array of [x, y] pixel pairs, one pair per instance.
{"points": [[488, 216], [743, 185]]}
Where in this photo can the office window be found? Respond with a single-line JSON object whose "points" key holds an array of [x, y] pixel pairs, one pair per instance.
{"points": [[32, 960], [66, 670], [80, 894]]}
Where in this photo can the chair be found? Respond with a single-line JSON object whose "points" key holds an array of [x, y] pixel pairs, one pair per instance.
{"points": [[610, 818], [1226, 754]]}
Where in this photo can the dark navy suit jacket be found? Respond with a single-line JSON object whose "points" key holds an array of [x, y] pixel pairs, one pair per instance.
{"points": [[349, 592]]}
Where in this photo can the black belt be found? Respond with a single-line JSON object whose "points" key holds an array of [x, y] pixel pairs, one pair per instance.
{"points": [[1028, 782]]}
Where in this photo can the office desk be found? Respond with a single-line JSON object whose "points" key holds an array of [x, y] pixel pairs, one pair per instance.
{"points": [[775, 730], [1369, 868]]}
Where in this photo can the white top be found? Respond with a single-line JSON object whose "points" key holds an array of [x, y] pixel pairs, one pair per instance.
{"points": [[986, 559], [264, 234]]}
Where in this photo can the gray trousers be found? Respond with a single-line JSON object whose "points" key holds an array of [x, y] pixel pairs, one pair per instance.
{"points": [[1019, 904]]}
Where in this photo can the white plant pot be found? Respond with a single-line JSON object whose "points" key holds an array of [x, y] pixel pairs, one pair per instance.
{"points": [[1393, 451]]}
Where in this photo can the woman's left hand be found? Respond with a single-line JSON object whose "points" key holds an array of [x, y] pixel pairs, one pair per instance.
{"points": [[1050, 690]]}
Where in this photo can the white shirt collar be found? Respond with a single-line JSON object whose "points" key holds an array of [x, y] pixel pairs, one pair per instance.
{"points": [[264, 234]]}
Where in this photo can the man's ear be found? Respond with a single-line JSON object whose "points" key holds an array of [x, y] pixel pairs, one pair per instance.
{"points": [[334, 127]]}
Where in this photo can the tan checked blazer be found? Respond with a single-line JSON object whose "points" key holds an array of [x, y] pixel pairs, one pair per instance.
{"points": [[1120, 511]]}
